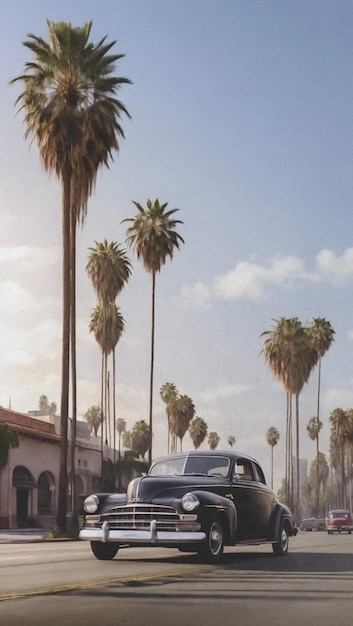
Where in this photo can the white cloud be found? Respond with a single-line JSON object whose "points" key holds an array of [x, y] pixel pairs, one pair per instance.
{"points": [[253, 281], [27, 259], [335, 269], [196, 295], [247, 280], [223, 392]]}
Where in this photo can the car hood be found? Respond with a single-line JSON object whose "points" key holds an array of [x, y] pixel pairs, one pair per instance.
{"points": [[155, 488]]}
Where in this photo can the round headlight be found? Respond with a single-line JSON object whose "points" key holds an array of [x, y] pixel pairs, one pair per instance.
{"points": [[190, 502], [91, 504]]}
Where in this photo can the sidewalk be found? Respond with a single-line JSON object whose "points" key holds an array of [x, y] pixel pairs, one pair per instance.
{"points": [[23, 534]]}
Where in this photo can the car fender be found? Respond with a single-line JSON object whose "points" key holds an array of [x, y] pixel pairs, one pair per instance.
{"points": [[223, 505], [108, 500], [280, 514]]}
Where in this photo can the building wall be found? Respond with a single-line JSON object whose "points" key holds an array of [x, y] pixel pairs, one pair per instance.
{"points": [[37, 457], [41, 459]]}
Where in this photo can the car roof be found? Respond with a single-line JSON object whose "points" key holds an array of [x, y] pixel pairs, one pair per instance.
{"points": [[231, 454]]}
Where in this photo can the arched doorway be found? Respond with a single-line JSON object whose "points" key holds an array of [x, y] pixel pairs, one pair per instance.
{"points": [[46, 488], [24, 482]]}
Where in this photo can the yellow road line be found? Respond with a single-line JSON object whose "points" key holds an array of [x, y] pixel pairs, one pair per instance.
{"points": [[16, 595]]}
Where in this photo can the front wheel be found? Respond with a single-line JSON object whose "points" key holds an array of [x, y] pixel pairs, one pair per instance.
{"points": [[212, 550], [104, 551], [280, 548]]}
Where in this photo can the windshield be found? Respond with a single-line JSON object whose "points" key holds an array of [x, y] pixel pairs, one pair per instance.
{"points": [[204, 465]]}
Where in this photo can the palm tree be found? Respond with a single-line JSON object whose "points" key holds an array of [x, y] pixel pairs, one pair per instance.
{"points": [[70, 107], [153, 237], [349, 445], [290, 355], [184, 410], [109, 270], [141, 438], [341, 427], [45, 405], [231, 440], [272, 438], [169, 393], [323, 472], [213, 440], [322, 336], [93, 417], [107, 324], [198, 431], [121, 428], [313, 428]]}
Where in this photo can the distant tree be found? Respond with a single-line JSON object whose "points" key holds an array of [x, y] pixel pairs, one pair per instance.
{"points": [[313, 428], [289, 352], [180, 411], [45, 405], [127, 439], [107, 324], [231, 440], [109, 269], [153, 237], [93, 417], [323, 472], [213, 440], [141, 438], [8, 439], [121, 428], [198, 431], [321, 334], [184, 410], [272, 438], [341, 427], [169, 393]]}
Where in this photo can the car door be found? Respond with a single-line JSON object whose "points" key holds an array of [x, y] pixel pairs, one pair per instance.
{"points": [[266, 502], [245, 493]]}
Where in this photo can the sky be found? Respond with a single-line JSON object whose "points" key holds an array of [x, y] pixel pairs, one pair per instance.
{"points": [[242, 118]]}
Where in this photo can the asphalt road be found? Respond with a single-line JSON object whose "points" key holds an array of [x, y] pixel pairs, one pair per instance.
{"points": [[62, 583]]}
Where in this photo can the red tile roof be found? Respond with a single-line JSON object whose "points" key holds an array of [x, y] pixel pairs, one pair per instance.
{"points": [[23, 424]]}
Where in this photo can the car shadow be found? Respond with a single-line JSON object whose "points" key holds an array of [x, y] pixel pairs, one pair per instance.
{"points": [[292, 562], [266, 561]]}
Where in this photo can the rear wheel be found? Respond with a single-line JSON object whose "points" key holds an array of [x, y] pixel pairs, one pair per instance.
{"points": [[104, 551], [280, 548], [212, 550]]}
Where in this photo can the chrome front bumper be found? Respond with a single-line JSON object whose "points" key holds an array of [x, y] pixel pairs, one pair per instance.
{"points": [[151, 536]]}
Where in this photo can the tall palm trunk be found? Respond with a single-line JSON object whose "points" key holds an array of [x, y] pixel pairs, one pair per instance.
{"points": [[102, 418], [317, 437], [297, 456], [271, 467], [65, 369], [114, 407], [288, 447], [152, 363], [74, 498]]}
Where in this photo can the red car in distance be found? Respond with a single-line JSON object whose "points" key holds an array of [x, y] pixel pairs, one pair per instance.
{"points": [[339, 520]]}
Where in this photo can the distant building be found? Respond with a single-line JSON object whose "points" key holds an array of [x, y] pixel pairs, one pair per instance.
{"points": [[29, 481]]}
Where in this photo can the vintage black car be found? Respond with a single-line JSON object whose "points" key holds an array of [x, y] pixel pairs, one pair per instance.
{"points": [[195, 501]]}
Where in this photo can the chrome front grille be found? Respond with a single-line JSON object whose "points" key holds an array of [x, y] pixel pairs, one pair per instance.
{"points": [[139, 517]]}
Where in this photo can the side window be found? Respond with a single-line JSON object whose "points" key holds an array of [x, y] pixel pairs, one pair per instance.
{"points": [[260, 477], [243, 470]]}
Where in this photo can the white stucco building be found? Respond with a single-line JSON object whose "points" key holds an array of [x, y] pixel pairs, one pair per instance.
{"points": [[29, 481]]}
